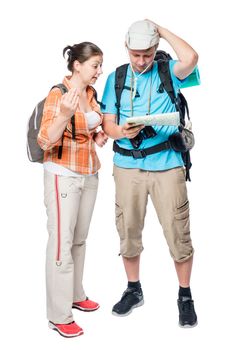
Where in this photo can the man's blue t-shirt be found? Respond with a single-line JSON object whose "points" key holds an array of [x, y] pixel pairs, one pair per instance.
{"points": [[159, 103]]}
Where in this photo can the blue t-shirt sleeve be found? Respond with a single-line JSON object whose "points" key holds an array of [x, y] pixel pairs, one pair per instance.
{"points": [[109, 97], [176, 81]]}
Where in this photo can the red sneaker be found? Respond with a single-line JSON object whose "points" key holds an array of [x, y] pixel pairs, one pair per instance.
{"points": [[67, 330], [86, 305]]}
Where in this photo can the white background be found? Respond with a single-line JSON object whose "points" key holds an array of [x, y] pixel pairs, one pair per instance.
{"points": [[33, 34]]}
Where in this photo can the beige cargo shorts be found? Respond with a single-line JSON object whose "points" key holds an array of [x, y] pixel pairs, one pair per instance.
{"points": [[167, 190]]}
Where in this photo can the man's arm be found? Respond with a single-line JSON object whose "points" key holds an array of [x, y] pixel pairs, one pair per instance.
{"points": [[117, 132], [187, 56]]}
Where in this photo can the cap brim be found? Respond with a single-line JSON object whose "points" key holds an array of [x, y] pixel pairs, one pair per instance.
{"points": [[137, 42]]}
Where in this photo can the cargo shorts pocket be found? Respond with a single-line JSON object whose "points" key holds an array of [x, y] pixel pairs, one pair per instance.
{"points": [[182, 222], [119, 220]]}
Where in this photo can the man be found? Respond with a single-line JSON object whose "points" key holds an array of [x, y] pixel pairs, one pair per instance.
{"points": [[159, 175]]}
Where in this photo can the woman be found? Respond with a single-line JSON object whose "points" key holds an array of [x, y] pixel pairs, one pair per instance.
{"points": [[67, 136]]}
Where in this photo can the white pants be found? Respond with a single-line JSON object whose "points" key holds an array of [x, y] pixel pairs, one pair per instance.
{"points": [[69, 204]]}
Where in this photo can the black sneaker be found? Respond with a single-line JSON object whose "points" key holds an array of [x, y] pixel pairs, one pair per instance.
{"points": [[187, 314], [131, 298]]}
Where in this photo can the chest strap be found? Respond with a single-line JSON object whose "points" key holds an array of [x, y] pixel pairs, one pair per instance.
{"points": [[141, 153]]}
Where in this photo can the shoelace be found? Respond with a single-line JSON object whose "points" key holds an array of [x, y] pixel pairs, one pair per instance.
{"points": [[127, 295], [187, 306]]}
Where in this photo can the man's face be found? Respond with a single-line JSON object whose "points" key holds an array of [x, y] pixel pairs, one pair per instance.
{"points": [[140, 59]]}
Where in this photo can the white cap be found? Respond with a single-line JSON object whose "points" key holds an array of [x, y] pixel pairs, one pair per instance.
{"points": [[142, 35]]}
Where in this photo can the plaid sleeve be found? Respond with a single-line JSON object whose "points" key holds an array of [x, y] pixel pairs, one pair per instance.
{"points": [[50, 112]]}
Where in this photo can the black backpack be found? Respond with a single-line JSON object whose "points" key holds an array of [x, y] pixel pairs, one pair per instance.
{"points": [[181, 105]]}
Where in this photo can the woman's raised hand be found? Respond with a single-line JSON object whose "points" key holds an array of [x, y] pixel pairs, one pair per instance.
{"points": [[69, 103]]}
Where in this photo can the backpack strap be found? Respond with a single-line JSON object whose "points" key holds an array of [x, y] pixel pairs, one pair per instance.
{"points": [[61, 87], [120, 77], [94, 93], [184, 104], [187, 163], [180, 103], [162, 55], [165, 77], [141, 153], [167, 84]]}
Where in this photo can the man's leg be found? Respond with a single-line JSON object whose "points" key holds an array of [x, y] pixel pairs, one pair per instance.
{"points": [[131, 201], [133, 295], [132, 268], [169, 195], [187, 314], [183, 270]]}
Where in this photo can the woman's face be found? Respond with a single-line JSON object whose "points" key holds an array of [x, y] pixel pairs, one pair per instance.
{"points": [[90, 70]]}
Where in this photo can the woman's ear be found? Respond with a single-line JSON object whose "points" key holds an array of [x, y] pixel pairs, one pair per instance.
{"points": [[76, 66]]}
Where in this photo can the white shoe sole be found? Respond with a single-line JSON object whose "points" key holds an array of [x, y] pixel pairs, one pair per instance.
{"points": [[83, 309], [188, 326], [55, 328]]}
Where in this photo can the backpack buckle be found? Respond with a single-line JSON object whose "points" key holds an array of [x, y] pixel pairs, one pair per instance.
{"points": [[137, 154]]}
